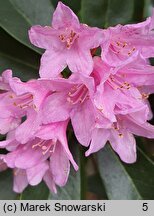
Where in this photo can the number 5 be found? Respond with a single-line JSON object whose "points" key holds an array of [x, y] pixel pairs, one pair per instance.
{"points": [[145, 207]]}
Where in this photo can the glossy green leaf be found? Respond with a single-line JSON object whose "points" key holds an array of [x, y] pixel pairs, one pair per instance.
{"points": [[6, 186], [102, 13], [13, 55], [39, 192], [142, 174], [16, 17], [126, 182], [36, 12], [119, 12], [93, 13], [95, 186]]}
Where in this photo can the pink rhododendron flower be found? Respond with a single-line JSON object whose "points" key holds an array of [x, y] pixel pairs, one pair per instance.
{"points": [[128, 41], [10, 116], [105, 98], [72, 99], [50, 143], [129, 114], [67, 42], [18, 100]]}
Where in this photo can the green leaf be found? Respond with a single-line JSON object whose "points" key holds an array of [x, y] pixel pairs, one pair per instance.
{"points": [[39, 192], [95, 185], [126, 182], [139, 7], [18, 16], [119, 12], [142, 174], [93, 13], [102, 13], [36, 12], [13, 55], [6, 186]]}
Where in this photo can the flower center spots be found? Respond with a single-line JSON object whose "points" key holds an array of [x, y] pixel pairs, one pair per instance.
{"points": [[78, 94], [68, 37], [123, 48], [23, 101], [46, 146], [117, 82]]}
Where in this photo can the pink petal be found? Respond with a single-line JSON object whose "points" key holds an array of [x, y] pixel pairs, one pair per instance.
{"points": [[56, 108], [144, 129], [20, 180], [8, 124], [52, 63], [63, 140], [27, 129], [36, 88], [124, 145], [91, 37], [105, 100], [82, 118], [36, 173], [64, 17], [79, 60], [49, 182], [44, 37], [59, 165], [99, 139], [30, 156]]}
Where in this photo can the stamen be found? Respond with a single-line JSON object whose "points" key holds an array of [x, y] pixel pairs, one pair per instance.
{"points": [[78, 94], [145, 96], [120, 135]]}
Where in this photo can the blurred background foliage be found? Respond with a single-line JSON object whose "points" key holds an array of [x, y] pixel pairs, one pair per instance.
{"points": [[102, 175]]}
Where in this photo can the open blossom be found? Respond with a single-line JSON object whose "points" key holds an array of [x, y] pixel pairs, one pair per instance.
{"points": [[33, 176], [128, 115], [71, 100], [67, 42], [18, 100], [47, 157], [128, 41], [10, 116], [105, 98]]}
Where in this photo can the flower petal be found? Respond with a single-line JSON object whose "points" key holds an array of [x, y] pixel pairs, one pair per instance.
{"points": [[145, 129], [52, 63], [82, 118], [44, 37], [49, 182], [36, 173], [59, 165], [56, 108], [64, 17], [27, 129], [79, 60], [99, 139], [124, 145], [20, 181]]}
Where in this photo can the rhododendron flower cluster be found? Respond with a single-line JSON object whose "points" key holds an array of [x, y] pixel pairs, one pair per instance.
{"points": [[105, 98]]}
